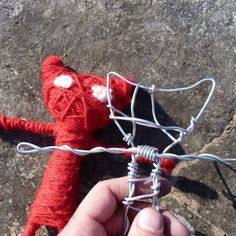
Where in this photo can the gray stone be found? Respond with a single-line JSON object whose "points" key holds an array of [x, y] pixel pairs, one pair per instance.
{"points": [[206, 191], [169, 43]]}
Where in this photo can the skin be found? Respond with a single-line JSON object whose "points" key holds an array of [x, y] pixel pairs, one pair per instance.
{"points": [[101, 213]]}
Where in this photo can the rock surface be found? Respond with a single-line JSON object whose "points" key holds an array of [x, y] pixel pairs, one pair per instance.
{"points": [[169, 43]]}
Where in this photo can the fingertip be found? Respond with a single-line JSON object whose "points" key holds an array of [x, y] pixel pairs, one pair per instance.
{"points": [[148, 222]]}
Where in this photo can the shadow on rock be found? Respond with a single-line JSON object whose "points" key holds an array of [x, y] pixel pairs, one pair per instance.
{"points": [[15, 136], [197, 233], [191, 186], [52, 231], [227, 192]]}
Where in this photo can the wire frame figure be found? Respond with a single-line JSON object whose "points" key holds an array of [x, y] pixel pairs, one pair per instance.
{"points": [[148, 152]]}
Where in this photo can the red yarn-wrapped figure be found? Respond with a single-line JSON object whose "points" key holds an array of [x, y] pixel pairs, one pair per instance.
{"points": [[78, 104]]}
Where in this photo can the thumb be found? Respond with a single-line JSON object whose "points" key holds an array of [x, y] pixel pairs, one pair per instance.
{"points": [[148, 222]]}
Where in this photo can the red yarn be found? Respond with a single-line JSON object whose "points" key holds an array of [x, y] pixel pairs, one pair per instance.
{"points": [[78, 114], [25, 125], [168, 165]]}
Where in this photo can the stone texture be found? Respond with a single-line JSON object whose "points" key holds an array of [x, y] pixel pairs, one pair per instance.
{"points": [[169, 43]]}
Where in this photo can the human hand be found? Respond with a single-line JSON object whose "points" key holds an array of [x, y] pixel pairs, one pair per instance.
{"points": [[101, 213]]}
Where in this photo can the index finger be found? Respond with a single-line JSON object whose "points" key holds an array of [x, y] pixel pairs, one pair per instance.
{"points": [[102, 201]]}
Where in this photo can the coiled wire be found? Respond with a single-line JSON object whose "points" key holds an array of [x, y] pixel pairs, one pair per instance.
{"points": [[148, 152]]}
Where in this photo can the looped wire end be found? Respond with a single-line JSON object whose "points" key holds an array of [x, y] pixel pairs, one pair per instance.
{"points": [[128, 138], [27, 148]]}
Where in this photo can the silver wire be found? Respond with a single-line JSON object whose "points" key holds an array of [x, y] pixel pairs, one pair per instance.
{"points": [[29, 148]]}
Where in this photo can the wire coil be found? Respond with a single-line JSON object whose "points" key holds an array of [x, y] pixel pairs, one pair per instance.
{"points": [[148, 152]]}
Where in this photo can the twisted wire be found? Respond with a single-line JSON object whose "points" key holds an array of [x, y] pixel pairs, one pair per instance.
{"points": [[29, 148], [156, 186], [128, 202]]}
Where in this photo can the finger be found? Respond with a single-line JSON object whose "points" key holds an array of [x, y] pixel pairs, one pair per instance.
{"points": [[97, 207], [148, 222], [137, 207], [103, 199], [115, 225], [145, 187], [101, 203], [141, 204], [173, 227], [83, 227]]}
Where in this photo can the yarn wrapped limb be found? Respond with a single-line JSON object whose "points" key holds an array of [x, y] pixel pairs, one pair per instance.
{"points": [[25, 125], [57, 197]]}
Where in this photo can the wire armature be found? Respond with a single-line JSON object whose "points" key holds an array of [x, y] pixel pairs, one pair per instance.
{"points": [[142, 151], [146, 151]]}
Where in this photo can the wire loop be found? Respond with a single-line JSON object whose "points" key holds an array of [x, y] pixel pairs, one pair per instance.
{"points": [[128, 138]]}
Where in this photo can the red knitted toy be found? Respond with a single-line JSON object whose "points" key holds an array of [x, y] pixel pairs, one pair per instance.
{"points": [[78, 105]]}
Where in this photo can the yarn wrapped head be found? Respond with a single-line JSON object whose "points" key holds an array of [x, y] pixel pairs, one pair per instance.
{"points": [[74, 105]]}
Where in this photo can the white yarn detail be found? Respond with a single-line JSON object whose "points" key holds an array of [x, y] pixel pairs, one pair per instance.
{"points": [[64, 81], [100, 92]]}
